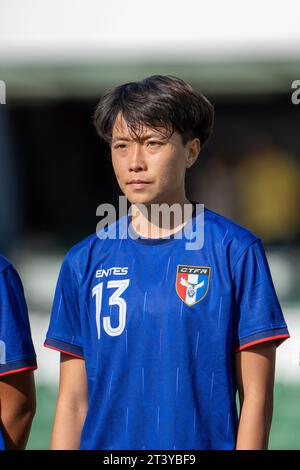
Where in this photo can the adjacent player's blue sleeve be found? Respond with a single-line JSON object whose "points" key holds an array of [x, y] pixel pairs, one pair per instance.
{"points": [[64, 332], [258, 316], [16, 347]]}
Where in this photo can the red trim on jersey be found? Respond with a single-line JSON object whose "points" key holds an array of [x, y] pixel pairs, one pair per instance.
{"points": [[61, 350], [262, 340], [18, 370]]}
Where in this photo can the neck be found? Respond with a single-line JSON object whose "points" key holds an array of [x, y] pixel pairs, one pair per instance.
{"points": [[156, 220]]}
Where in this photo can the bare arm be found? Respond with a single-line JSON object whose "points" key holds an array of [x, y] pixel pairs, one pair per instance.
{"points": [[255, 369], [18, 403], [71, 405]]}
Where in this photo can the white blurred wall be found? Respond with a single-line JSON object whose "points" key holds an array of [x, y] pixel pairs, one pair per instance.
{"points": [[64, 30]]}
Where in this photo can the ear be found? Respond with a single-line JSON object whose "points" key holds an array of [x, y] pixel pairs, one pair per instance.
{"points": [[193, 148]]}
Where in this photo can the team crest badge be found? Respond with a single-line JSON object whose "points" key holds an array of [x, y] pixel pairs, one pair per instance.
{"points": [[192, 283]]}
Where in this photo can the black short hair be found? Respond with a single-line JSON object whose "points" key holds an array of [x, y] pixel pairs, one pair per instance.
{"points": [[157, 101]]}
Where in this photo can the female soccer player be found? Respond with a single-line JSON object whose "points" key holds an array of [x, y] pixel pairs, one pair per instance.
{"points": [[156, 338], [17, 361]]}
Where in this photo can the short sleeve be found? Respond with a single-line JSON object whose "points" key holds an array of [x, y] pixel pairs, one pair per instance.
{"points": [[16, 347], [64, 332], [258, 316]]}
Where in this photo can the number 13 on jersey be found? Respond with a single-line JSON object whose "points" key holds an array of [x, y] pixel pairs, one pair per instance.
{"points": [[114, 299]]}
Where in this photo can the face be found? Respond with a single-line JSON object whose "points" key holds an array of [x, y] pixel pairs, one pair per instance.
{"points": [[151, 169]]}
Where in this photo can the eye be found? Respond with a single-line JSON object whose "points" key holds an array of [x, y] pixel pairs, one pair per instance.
{"points": [[120, 146], [153, 142]]}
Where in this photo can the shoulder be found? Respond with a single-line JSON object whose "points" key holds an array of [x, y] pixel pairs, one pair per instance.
{"points": [[9, 275], [84, 254], [224, 227], [82, 248], [4, 263], [77, 257], [228, 235]]}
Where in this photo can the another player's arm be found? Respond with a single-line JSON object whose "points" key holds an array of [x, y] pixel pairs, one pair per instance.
{"points": [[17, 407], [255, 369], [72, 404]]}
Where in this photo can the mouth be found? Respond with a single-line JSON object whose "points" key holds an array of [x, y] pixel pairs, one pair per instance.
{"points": [[137, 184]]}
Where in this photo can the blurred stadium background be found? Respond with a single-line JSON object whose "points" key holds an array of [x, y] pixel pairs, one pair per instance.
{"points": [[58, 57]]}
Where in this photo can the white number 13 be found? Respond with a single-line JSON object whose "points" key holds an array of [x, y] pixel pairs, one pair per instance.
{"points": [[114, 299]]}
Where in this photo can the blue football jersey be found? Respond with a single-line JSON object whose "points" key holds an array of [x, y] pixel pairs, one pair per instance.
{"points": [[16, 348], [158, 326]]}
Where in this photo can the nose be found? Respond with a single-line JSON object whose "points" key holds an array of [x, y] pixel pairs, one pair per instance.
{"points": [[137, 158]]}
